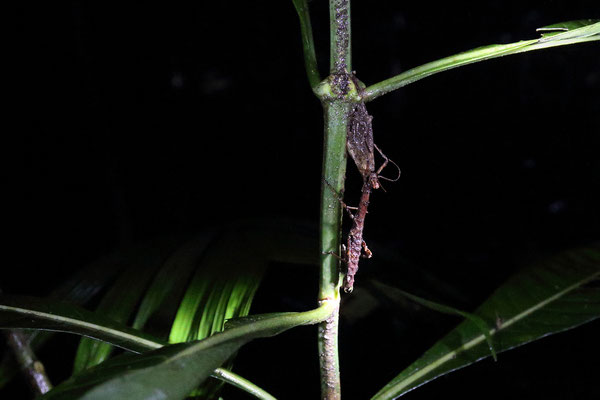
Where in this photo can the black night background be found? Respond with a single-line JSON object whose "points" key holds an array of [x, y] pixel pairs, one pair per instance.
{"points": [[133, 120]]}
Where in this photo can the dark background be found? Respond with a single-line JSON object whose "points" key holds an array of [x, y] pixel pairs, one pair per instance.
{"points": [[130, 121]]}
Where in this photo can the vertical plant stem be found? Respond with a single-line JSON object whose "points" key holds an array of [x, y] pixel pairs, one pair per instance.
{"points": [[339, 37], [334, 171]]}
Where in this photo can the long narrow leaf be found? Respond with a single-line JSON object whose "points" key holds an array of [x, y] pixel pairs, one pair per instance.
{"points": [[223, 286], [484, 328], [79, 289], [33, 313], [562, 34], [172, 279], [172, 372], [230, 272], [548, 298], [121, 301], [20, 312]]}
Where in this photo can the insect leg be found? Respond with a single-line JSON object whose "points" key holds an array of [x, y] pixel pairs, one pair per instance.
{"points": [[385, 163], [344, 205], [341, 258]]}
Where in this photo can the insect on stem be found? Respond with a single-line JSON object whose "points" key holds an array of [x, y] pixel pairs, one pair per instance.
{"points": [[360, 146]]}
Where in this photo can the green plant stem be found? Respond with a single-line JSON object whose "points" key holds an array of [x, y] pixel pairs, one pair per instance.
{"points": [[241, 383], [339, 37], [334, 171], [308, 44]]}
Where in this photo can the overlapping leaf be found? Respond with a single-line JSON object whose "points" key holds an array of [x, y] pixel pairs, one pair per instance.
{"points": [[78, 289], [229, 274], [121, 300], [172, 279], [172, 372], [227, 270], [550, 297], [26, 312]]}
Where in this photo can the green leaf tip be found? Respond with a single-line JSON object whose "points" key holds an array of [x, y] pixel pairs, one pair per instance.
{"points": [[579, 29], [568, 26]]}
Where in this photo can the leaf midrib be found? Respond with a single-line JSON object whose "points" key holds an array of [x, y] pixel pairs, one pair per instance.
{"points": [[480, 338], [152, 345]]}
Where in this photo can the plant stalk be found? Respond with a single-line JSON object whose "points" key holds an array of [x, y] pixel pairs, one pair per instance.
{"points": [[28, 362], [340, 54], [308, 44], [334, 169], [241, 383], [336, 109]]}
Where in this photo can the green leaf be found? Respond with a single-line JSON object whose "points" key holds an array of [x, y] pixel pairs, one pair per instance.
{"points": [[168, 373], [250, 319], [565, 33], [25, 312], [547, 298], [172, 372], [121, 301], [171, 280], [261, 241], [484, 328], [221, 277], [228, 277], [571, 26], [20, 312], [78, 289]]}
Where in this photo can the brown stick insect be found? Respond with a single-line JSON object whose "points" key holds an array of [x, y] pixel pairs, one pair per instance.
{"points": [[360, 146]]}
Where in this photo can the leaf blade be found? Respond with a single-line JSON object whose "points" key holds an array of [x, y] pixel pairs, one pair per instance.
{"points": [[545, 299], [20, 312], [478, 321], [120, 302], [173, 371], [582, 31], [68, 318]]}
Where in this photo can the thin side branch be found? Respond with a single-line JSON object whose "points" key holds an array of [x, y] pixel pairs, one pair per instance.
{"points": [[308, 44], [28, 362], [241, 383]]}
